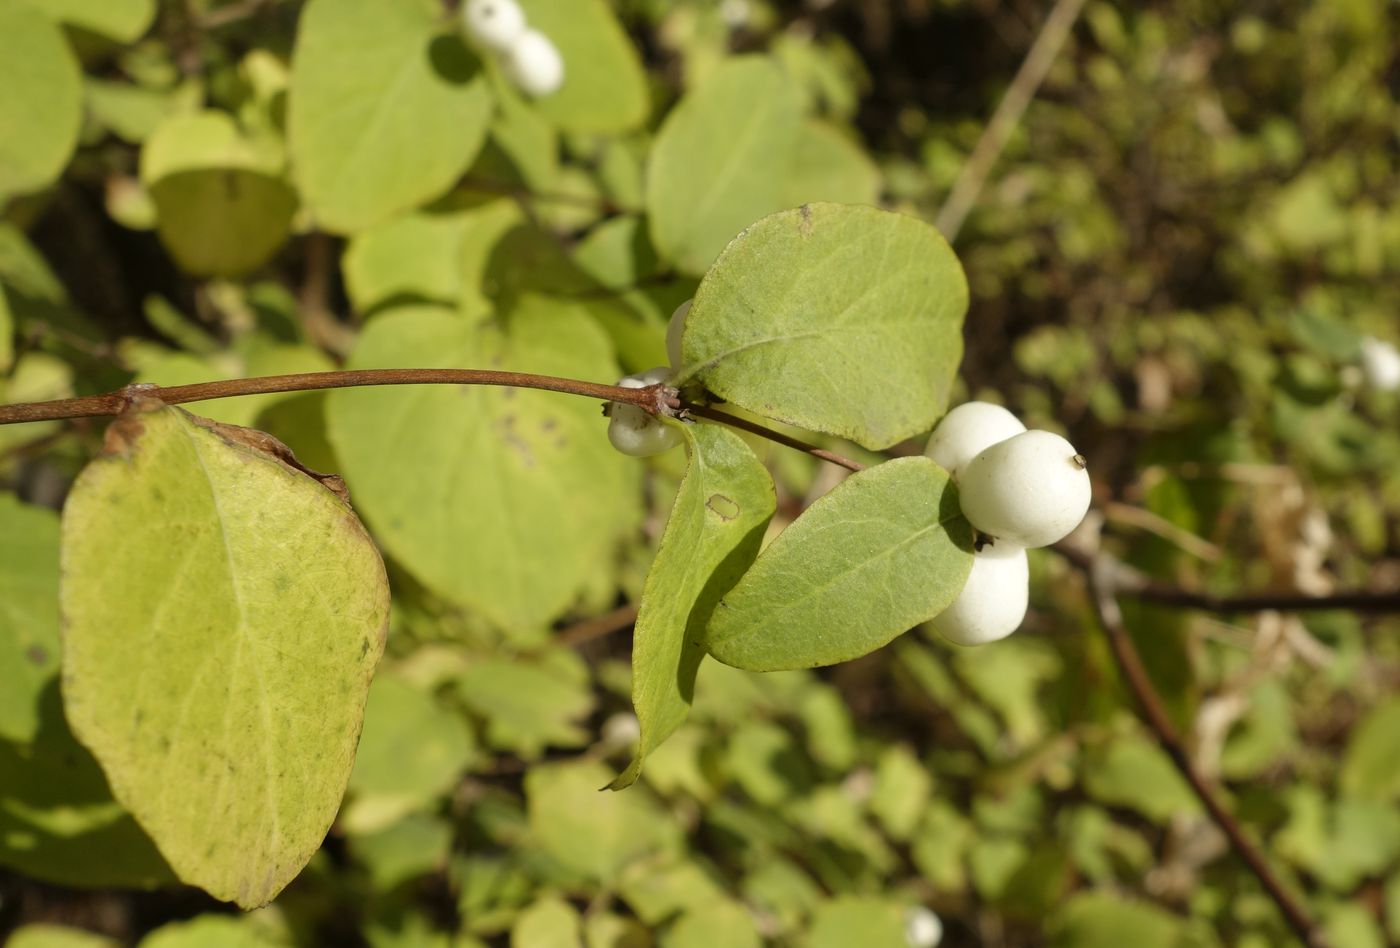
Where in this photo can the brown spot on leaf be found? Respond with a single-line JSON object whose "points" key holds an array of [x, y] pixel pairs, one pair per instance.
{"points": [[804, 220], [723, 507]]}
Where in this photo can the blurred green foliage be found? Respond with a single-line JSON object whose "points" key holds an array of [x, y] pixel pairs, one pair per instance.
{"points": [[1174, 260]]}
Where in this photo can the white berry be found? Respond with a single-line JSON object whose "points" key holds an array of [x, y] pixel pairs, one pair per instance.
{"points": [[967, 431], [533, 63], [993, 602], [922, 927], [495, 24], [1380, 364], [1029, 490], [631, 430], [673, 333]]}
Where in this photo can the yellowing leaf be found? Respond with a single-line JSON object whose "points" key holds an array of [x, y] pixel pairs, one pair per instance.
{"points": [[223, 614], [41, 107], [386, 110], [498, 499]]}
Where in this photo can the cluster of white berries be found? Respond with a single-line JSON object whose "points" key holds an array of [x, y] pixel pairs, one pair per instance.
{"points": [[1380, 364], [1018, 489], [527, 56], [630, 429]]}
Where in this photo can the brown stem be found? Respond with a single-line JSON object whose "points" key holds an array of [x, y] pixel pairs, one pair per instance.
{"points": [[1009, 111], [655, 399], [1102, 572], [598, 626], [714, 414], [1128, 583]]}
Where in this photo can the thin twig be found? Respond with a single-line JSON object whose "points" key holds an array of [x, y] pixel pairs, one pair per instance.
{"points": [[1009, 111], [1129, 583], [714, 414], [655, 399], [1102, 572], [598, 626]]}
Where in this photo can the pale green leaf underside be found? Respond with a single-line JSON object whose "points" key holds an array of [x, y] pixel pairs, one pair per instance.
{"points": [[28, 613], [386, 111], [222, 206], [884, 551], [605, 89], [223, 614], [41, 106], [223, 222], [716, 524], [835, 318], [721, 160], [501, 500]]}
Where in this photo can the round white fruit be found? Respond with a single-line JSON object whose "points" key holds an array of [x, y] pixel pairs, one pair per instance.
{"points": [[967, 431], [993, 602], [533, 63], [495, 24], [631, 430], [1380, 364], [922, 927], [1029, 490], [673, 333]]}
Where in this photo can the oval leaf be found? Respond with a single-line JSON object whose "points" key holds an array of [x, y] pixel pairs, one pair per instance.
{"points": [[724, 504], [386, 112], [42, 105], [605, 89], [721, 160], [834, 318], [497, 499], [884, 551], [223, 613]]}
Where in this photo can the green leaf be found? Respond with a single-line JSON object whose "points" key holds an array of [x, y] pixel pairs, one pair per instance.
{"points": [[721, 160], [222, 223], [717, 521], [208, 931], [829, 166], [413, 847], [413, 257], [7, 333], [226, 651], [525, 492], [549, 923], [56, 936], [528, 706], [902, 787], [222, 207], [412, 750], [595, 835], [1137, 774], [834, 318], [386, 110], [605, 89], [28, 613], [721, 923], [1101, 920], [884, 551], [856, 920], [42, 106], [56, 811], [121, 20], [1368, 769]]}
